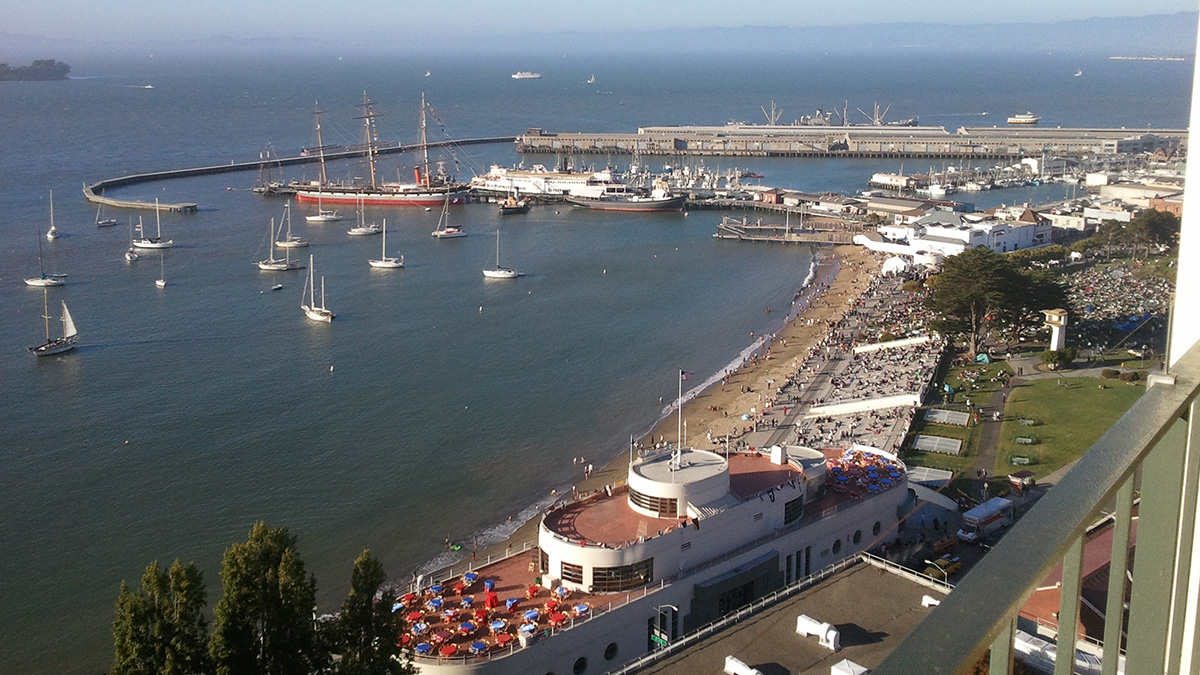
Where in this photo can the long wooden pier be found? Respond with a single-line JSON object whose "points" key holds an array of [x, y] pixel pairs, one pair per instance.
{"points": [[742, 230], [94, 192]]}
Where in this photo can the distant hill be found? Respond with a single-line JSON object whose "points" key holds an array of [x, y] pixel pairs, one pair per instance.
{"points": [[42, 69]]}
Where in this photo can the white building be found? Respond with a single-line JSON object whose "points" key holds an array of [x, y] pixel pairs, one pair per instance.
{"points": [[950, 233]]}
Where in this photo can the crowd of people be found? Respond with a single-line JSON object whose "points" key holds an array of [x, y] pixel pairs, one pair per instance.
{"points": [[1117, 293]]}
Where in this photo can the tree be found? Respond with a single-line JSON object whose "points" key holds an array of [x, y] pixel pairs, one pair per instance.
{"points": [[367, 629], [160, 628], [979, 291], [264, 620]]}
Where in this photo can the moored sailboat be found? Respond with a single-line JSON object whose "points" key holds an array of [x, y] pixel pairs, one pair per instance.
{"points": [[311, 309], [104, 222], [142, 241], [161, 281], [499, 272], [43, 279], [289, 240], [273, 264], [69, 335], [444, 229], [384, 261]]}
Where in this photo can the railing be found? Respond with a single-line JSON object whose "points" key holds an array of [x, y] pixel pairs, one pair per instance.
{"points": [[1150, 440]]}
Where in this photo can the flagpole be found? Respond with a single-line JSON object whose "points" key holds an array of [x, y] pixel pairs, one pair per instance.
{"points": [[679, 404]]}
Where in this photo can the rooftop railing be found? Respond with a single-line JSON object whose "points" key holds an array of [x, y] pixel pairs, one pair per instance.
{"points": [[1150, 444]]}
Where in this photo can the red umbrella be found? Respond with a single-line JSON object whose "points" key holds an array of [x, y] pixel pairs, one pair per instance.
{"points": [[415, 616], [503, 639], [448, 650], [481, 615]]}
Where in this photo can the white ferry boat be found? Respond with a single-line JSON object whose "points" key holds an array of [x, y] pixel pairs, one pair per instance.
{"points": [[1024, 118], [526, 75], [689, 537], [539, 181]]}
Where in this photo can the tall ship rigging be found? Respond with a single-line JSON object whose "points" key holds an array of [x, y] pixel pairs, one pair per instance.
{"points": [[427, 189]]}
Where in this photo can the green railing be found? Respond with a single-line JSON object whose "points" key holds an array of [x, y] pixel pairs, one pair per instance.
{"points": [[1151, 443]]}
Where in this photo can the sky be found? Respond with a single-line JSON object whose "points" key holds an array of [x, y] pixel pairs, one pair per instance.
{"points": [[128, 20]]}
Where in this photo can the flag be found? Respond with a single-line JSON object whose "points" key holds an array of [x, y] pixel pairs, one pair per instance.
{"points": [[684, 375]]}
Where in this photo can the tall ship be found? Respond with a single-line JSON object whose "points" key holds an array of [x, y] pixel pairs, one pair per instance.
{"points": [[427, 189], [620, 571], [539, 181], [1024, 118], [659, 198]]}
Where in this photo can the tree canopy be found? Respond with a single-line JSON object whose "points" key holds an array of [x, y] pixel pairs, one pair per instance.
{"points": [[367, 629], [264, 623], [160, 627], [979, 292]]}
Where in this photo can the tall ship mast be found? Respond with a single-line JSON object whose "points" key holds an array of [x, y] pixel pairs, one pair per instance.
{"points": [[427, 189]]}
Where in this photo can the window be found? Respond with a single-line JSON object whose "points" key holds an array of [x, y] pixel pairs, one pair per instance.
{"points": [[757, 516], [572, 573], [580, 666], [857, 536], [543, 561], [793, 510], [610, 652], [666, 508], [685, 546], [875, 529], [837, 546], [623, 578]]}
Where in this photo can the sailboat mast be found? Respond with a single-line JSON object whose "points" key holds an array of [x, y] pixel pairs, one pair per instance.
{"points": [[322, 292], [157, 219], [52, 209], [320, 144], [424, 141], [368, 118], [46, 313]]}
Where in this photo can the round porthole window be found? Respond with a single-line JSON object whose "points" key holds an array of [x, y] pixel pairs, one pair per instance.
{"points": [[857, 536], [875, 529], [610, 652], [837, 546], [580, 665]]}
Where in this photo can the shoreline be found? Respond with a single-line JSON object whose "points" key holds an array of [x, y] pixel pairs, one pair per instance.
{"points": [[715, 406]]}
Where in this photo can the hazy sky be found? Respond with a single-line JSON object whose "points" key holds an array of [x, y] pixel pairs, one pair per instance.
{"points": [[372, 19]]}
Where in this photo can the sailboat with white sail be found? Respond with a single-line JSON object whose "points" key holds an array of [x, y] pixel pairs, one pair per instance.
{"points": [[161, 281], [69, 335], [43, 279], [444, 229], [384, 261], [142, 241], [273, 264], [289, 240], [311, 309], [499, 272]]}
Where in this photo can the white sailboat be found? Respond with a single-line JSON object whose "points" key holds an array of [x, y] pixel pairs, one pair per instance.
{"points": [[104, 222], [445, 230], [142, 241], [384, 261], [69, 335], [363, 229], [289, 240], [43, 279], [592, 79], [499, 272], [322, 216], [273, 264], [311, 310], [52, 233], [131, 254], [161, 281]]}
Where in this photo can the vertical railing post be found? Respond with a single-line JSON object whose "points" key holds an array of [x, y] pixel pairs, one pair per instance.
{"points": [[1068, 607], [1001, 660], [1158, 531], [1114, 606]]}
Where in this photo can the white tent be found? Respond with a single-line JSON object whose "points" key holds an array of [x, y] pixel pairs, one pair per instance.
{"points": [[847, 667], [894, 266]]}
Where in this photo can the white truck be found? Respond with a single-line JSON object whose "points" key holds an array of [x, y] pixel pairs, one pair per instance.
{"points": [[984, 522]]}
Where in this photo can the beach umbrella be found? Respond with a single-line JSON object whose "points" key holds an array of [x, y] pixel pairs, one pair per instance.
{"points": [[478, 647]]}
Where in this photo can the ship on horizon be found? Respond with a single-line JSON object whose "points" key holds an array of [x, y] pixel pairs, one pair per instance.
{"points": [[526, 75]]}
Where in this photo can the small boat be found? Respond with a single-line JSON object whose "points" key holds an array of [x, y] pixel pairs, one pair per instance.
{"points": [[69, 335], [427, 73], [1024, 118], [104, 222], [513, 205], [591, 80], [311, 310], [384, 261], [445, 230], [43, 279], [499, 272], [363, 229], [142, 241], [277, 287], [52, 233], [273, 264], [526, 75], [323, 215], [289, 240], [161, 281], [659, 199], [1079, 73], [131, 254]]}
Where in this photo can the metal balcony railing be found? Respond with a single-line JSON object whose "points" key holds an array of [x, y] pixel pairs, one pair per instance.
{"points": [[1153, 443]]}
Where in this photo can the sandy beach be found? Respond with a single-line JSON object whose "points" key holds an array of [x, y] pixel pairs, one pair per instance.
{"points": [[719, 408]]}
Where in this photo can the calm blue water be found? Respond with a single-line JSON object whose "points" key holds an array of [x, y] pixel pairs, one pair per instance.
{"points": [[436, 404]]}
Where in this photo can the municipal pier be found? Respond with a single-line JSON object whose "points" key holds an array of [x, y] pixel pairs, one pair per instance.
{"points": [[875, 141]]}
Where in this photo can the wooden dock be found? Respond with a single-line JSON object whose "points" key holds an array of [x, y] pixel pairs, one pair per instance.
{"points": [[743, 230], [95, 192]]}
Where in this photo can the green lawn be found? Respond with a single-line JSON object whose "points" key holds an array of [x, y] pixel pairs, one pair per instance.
{"points": [[1067, 420]]}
